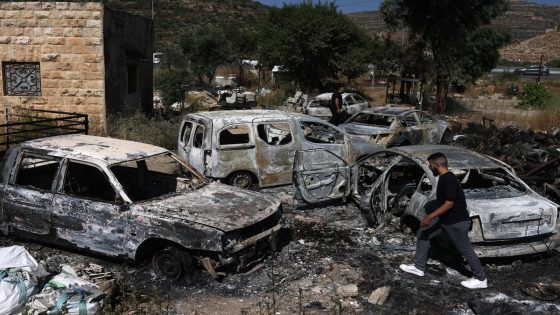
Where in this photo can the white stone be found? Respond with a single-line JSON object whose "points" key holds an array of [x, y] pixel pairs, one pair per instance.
{"points": [[380, 295], [349, 290]]}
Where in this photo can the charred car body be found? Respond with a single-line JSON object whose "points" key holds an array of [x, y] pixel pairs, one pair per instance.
{"points": [[320, 106], [133, 201], [393, 126], [508, 217], [255, 148]]}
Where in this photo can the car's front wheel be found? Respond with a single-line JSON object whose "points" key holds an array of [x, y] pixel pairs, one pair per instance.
{"points": [[172, 263]]}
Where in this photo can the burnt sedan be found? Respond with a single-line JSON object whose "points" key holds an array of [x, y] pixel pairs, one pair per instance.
{"points": [[133, 201], [508, 217], [394, 126]]}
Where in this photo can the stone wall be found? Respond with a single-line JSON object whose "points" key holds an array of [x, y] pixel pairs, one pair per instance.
{"points": [[66, 39]]}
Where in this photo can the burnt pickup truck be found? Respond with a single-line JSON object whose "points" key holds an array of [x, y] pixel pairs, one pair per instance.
{"points": [[132, 201]]}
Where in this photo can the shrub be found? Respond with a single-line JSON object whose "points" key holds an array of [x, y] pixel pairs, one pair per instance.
{"points": [[534, 95], [160, 129]]}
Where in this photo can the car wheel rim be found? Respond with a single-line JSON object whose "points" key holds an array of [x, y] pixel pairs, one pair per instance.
{"points": [[241, 180], [169, 264]]}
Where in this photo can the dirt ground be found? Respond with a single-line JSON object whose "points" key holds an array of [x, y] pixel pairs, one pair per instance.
{"points": [[323, 250]]}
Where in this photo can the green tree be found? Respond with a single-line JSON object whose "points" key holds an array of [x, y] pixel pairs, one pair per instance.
{"points": [[534, 95], [206, 47], [314, 43], [453, 34]]}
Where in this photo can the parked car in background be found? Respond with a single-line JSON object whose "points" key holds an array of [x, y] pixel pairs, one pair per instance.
{"points": [[533, 70], [393, 126], [508, 218], [320, 105], [133, 201], [255, 148]]}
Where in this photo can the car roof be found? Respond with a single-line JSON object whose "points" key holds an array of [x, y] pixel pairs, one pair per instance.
{"points": [[325, 96], [394, 111], [84, 147], [246, 115], [457, 157]]}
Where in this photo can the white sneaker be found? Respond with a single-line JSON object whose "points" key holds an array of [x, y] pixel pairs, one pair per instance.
{"points": [[474, 283], [412, 269]]}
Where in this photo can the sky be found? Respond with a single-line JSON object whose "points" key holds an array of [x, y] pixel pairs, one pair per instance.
{"points": [[348, 6]]}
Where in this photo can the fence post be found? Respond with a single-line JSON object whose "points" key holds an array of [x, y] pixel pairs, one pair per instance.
{"points": [[7, 129], [86, 125]]}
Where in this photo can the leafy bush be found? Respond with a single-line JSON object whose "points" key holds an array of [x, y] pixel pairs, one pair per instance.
{"points": [[534, 95]]}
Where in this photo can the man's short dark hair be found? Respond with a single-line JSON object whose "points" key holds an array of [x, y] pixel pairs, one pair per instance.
{"points": [[438, 158]]}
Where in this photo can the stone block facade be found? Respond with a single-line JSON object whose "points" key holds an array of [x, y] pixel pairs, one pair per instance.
{"points": [[64, 43]]}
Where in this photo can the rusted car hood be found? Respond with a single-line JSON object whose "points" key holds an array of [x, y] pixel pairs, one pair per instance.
{"points": [[515, 217], [216, 205], [360, 129]]}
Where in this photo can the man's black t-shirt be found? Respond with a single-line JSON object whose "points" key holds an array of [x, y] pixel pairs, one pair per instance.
{"points": [[449, 188], [335, 95]]}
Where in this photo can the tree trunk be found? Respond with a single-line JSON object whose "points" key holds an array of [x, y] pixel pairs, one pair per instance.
{"points": [[442, 83]]}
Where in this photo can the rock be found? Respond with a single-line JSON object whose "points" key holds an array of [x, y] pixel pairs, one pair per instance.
{"points": [[349, 290], [306, 283], [375, 241], [380, 295]]}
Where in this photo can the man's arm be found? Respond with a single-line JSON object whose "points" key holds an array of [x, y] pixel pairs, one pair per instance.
{"points": [[338, 105], [448, 204]]}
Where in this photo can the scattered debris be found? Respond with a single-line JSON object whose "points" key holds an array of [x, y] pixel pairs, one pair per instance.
{"points": [[349, 290]]}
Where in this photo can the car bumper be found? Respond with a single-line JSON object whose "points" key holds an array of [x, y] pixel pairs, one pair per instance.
{"points": [[519, 248]]}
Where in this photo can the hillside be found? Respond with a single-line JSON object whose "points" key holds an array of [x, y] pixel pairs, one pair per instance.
{"points": [[523, 20], [173, 16], [530, 50]]}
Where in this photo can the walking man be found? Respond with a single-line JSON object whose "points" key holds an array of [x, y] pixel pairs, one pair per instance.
{"points": [[336, 106], [451, 216]]}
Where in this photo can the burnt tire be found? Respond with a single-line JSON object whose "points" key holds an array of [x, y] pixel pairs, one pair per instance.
{"points": [[172, 263], [447, 137], [243, 180]]}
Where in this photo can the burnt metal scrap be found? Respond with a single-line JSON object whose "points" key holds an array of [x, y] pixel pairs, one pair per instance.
{"points": [[533, 155], [132, 201]]}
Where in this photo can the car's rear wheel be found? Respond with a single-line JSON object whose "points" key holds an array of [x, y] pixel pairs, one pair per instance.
{"points": [[447, 137], [172, 263], [242, 180]]}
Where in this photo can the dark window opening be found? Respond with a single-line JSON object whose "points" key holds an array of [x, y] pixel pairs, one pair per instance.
{"points": [[198, 137], [88, 182], [235, 135], [37, 172], [186, 132], [320, 133], [21, 78], [275, 134], [132, 71]]}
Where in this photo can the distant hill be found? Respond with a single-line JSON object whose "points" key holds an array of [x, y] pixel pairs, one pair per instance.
{"points": [[531, 50], [173, 16], [523, 20]]}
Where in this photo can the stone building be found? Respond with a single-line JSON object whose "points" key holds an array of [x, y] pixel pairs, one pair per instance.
{"points": [[75, 57]]}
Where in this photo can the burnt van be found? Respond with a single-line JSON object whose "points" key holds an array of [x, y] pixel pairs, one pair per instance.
{"points": [[255, 148]]}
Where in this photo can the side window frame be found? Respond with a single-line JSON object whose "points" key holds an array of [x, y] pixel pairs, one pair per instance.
{"points": [[301, 125], [412, 114], [62, 179], [424, 114], [193, 135], [271, 123], [249, 144], [183, 130], [12, 179]]}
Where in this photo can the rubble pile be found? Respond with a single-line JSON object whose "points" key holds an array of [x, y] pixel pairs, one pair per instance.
{"points": [[534, 155]]}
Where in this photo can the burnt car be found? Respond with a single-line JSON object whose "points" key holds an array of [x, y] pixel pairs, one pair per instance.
{"points": [[394, 126], [533, 70], [508, 217], [132, 201], [320, 105]]}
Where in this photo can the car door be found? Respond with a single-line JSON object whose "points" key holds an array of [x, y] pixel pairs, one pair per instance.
{"points": [[86, 210], [28, 197], [320, 175], [319, 135], [412, 133], [275, 148], [191, 144], [428, 125]]}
